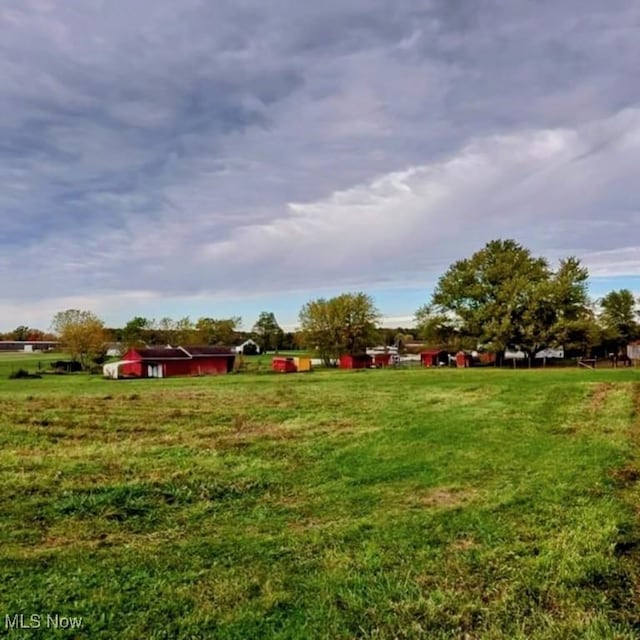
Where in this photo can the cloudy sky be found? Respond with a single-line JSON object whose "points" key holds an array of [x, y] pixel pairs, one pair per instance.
{"points": [[218, 157]]}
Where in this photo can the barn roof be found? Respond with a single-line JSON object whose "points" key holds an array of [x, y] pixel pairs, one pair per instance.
{"points": [[183, 353], [199, 352], [162, 353]]}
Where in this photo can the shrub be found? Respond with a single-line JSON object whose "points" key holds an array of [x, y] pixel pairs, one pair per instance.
{"points": [[23, 373]]}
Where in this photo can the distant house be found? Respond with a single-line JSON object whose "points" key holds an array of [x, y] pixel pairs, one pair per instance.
{"points": [[28, 345], [514, 354], [633, 351], [248, 347], [113, 349], [166, 362], [549, 352]]}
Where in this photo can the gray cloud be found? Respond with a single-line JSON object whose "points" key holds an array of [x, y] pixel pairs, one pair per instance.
{"points": [[185, 148]]}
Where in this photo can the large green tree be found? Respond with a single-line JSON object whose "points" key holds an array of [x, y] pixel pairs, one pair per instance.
{"points": [[137, 331], [267, 331], [503, 296], [344, 324], [81, 333], [558, 312], [222, 331], [618, 317]]}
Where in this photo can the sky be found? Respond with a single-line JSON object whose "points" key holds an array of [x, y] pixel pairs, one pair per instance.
{"points": [[224, 157]]}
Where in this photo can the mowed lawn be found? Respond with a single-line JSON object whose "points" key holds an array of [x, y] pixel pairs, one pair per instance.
{"points": [[376, 504]]}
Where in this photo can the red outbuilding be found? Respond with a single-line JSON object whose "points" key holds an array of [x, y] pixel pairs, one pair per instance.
{"points": [[359, 361], [284, 364], [382, 359], [179, 361], [434, 358], [464, 359]]}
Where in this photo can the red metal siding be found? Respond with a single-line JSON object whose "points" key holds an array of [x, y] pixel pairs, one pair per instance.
{"points": [[175, 367], [433, 357], [208, 366], [355, 362], [284, 365], [382, 359], [132, 368], [463, 359]]}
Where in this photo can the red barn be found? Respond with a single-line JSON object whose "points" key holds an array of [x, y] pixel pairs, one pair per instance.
{"points": [[360, 361], [434, 358], [181, 361]]}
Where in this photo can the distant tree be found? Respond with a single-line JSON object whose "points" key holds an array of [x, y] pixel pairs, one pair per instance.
{"points": [[503, 296], [81, 333], [267, 331], [440, 330], [221, 331], [20, 333], [618, 317], [165, 331], [397, 336], [558, 311], [289, 341], [344, 324], [136, 332], [36, 334], [185, 332]]}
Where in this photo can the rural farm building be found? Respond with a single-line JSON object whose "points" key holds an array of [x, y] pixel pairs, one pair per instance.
{"points": [[303, 363], [434, 358], [165, 362], [383, 359], [28, 345], [359, 361], [464, 359], [287, 364], [633, 351], [248, 347], [283, 364]]}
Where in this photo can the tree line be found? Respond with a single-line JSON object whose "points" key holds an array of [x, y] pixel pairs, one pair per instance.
{"points": [[500, 297]]}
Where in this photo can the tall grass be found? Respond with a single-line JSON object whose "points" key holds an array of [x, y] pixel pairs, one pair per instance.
{"points": [[381, 504]]}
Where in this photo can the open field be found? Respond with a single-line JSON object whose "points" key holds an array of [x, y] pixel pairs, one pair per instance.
{"points": [[375, 504]]}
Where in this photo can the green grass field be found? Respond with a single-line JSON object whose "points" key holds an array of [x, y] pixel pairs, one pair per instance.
{"points": [[377, 504]]}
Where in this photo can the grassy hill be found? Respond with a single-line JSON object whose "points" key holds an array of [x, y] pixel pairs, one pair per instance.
{"points": [[336, 504]]}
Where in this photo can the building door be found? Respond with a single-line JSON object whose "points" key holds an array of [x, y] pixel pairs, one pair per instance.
{"points": [[154, 371]]}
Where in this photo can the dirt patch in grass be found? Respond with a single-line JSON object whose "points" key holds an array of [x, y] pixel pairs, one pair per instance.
{"points": [[635, 425], [625, 476], [463, 544], [598, 396], [439, 498]]}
